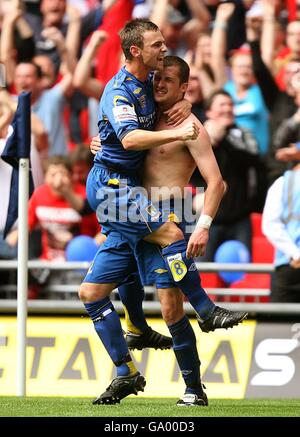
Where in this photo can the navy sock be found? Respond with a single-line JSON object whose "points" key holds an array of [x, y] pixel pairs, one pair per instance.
{"points": [[132, 295], [186, 276], [108, 327], [185, 349]]}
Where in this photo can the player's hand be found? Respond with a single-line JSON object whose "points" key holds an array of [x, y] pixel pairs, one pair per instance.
{"points": [[189, 132], [95, 145], [100, 238], [178, 113], [197, 243]]}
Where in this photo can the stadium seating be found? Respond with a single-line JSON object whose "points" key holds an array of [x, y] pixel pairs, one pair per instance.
{"points": [[211, 280], [255, 281], [262, 252], [256, 219]]}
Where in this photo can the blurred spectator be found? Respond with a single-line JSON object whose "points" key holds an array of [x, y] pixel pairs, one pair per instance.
{"points": [[181, 22], [75, 28], [292, 52], [287, 136], [83, 79], [52, 15], [33, 6], [16, 43], [48, 104], [236, 151], [9, 50], [293, 7], [86, 83], [194, 94], [8, 247], [281, 226], [7, 251], [47, 69], [281, 104], [235, 29], [39, 140], [249, 106], [202, 76], [200, 57], [50, 207], [113, 21], [172, 31], [270, 28], [81, 160]]}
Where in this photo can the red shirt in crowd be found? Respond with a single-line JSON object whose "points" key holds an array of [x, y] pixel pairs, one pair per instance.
{"points": [[58, 220]]}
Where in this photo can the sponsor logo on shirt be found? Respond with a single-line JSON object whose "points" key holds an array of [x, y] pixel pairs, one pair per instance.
{"points": [[124, 113], [147, 121]]}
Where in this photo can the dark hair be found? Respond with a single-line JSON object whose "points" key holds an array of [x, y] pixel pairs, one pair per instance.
{"points": [[210, 99], [132, 34], [81, 153], [184, 69], [57, 160], [39, 72]]}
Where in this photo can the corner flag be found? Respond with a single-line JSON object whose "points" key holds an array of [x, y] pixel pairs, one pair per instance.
{"points": [[17, 147], [17, 154]]}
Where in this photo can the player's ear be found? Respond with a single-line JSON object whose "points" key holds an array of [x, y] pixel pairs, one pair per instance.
{"points": [[184, 87], [135, 51]]}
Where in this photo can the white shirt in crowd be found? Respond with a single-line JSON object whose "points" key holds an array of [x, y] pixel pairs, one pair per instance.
{"points": [[272, 225]]}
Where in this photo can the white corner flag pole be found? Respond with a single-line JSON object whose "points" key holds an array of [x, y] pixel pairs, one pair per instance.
{"points": [[22, 274]]}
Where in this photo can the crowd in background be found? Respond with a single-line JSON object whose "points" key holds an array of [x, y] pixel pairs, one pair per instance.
{"points": [[244, 58]]}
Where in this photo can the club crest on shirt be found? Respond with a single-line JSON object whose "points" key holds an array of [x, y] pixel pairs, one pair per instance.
{"points": [[153, 212]]}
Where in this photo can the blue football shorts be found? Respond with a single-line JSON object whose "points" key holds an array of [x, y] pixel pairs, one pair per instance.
{"points": [[151, 265], [122, 204], [124, 252], [114, 261]]}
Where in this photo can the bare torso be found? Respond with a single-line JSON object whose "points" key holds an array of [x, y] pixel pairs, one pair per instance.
{"points": [[168, 166]]}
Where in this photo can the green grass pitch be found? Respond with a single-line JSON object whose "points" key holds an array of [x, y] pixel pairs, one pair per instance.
{"points": [[143, 407]]}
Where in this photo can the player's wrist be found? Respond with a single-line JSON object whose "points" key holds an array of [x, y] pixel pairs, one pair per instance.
{"points": [[204, 221], [177, 134]]}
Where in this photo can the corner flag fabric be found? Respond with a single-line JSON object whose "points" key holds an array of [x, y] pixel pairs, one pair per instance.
{"points": [[17, 146]]}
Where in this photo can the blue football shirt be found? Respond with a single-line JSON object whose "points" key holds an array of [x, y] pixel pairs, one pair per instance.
{"points": [[126, 104]]}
